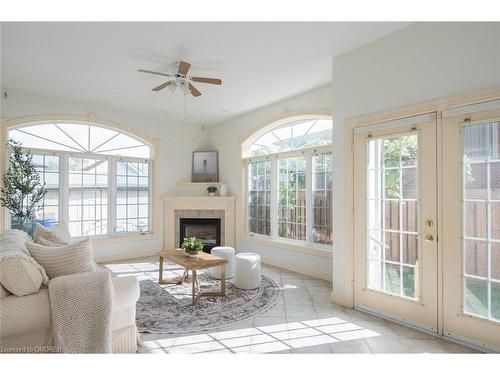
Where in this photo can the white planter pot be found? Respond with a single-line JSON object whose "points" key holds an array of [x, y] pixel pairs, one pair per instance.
{"points": [[211, 194], [223, 190]]}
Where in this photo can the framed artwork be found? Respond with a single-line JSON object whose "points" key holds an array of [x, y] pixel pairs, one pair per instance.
{"points": [[205, 166]]}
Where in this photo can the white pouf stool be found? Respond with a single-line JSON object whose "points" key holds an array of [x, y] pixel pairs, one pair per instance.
{"points": [[225, 252], [247, 271]]}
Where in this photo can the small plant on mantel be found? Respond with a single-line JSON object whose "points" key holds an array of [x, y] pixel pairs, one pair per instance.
{"points": [[192, 246], [211, 190]]}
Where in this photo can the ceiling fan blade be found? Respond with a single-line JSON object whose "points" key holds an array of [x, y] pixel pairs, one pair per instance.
{"points": [[183, 67], [213, 81], [162, 86], [194, 90], [157, 73]]}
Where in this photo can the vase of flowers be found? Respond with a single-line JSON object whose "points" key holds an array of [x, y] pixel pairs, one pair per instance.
{"points": [[211, 190], [192, 247]]}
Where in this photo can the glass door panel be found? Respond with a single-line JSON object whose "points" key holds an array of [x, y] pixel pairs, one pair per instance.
{"points": [[471, 228], [394, 196], [481, 210], [392, 181]]}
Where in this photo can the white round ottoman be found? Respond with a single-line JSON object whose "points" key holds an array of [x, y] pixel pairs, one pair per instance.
{"points": [[247, 271], [225, 252]]}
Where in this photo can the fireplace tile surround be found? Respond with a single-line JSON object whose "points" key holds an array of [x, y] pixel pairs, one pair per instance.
{"points": [[177, 207], [198, 214]]}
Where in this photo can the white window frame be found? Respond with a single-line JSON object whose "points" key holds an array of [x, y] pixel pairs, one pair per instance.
{"points": [[64, 188], [274, 238]]}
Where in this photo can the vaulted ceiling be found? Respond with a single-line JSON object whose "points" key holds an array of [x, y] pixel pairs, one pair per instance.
{"points": [[259, 63]]}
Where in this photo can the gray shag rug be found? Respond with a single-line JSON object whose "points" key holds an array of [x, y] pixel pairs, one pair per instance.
{"points": [[168, 308]]}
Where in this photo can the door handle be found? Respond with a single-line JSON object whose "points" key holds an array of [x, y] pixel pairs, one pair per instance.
{"points": [[428, 237]]}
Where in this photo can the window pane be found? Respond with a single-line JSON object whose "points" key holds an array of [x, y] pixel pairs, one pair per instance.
{"points": [[48, 212], [80, 138], [88, 196], [132, 197], [322, 199], [259, 203], [476, 297], [392, 215], [293, 136], [481, 215], [292, 198], [392, 278]]}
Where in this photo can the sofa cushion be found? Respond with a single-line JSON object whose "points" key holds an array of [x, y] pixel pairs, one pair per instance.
{"points": [[58, 233], [64, 260], [22, 315], [20, 274]]}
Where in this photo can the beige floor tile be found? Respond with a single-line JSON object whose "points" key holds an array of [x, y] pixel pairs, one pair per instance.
{"points": [[263, 321], [350, 347], [300, 311], [381, 345], [313, 349], [429, 345], [304, 321], [276, 311]]}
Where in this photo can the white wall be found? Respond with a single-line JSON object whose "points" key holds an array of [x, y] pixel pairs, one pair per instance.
{"points": [[227, 137], [177, 141], [419, 63]]}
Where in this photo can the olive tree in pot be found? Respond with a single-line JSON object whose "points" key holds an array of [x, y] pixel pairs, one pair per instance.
{"points": [[22, 190]]}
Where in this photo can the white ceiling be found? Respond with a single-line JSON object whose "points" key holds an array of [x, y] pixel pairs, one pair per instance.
{"points": [[259, 63]]}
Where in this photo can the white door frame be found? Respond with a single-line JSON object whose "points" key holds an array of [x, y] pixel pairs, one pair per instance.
{"points": [[347, 297]]}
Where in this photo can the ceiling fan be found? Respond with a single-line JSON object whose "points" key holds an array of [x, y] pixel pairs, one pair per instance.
{"points": [[181, 80]]}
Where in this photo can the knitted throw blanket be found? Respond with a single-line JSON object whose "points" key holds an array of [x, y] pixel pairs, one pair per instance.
{"points": [[81, 307]]}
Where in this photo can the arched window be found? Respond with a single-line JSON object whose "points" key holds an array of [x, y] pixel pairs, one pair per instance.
{"points": [[289, 181], [98, 177]]}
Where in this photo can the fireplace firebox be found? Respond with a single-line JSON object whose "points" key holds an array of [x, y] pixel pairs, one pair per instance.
{"points": [[206, 230]]}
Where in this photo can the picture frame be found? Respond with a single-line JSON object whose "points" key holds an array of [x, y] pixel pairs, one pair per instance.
{"points": [[205, 167]]}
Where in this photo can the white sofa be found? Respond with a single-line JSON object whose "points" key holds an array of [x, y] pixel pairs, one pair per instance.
{"points": [[26, 323]]}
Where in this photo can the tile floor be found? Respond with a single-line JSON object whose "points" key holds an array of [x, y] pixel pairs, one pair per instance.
{"points": [[303, 321]]}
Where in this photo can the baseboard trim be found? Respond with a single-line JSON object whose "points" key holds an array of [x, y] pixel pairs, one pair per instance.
{"points": [[291, 267], [118, 257]]}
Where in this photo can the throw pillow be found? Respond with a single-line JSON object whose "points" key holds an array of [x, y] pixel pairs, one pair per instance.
{"points": [[20, 274], [73, 258], [14, 240], [58, 233], [44, 242]]}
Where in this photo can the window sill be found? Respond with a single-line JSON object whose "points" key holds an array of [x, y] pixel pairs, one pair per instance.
{"points": [[289, 245], [103, 240]]}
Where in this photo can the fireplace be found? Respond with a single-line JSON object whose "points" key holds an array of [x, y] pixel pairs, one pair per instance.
{"points": [[206, 230]]}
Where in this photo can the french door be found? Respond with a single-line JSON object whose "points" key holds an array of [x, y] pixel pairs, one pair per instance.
{"points": [[471, 224], [395, 204]]}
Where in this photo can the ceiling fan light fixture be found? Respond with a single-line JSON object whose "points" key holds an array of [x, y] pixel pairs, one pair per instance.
{"points": [[182, 80]]}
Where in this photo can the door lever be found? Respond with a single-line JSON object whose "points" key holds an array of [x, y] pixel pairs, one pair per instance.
{"points": [[428, 237]]}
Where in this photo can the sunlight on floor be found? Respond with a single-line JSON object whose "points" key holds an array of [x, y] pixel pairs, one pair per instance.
{"points": [[265, 339]]}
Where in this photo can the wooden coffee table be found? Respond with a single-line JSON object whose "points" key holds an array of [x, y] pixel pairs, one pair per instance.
{"points": [[193, 264]]}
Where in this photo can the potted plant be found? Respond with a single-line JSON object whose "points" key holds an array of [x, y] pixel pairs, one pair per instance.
{"points": [[211, 190], [23, 190], [192, 246]]}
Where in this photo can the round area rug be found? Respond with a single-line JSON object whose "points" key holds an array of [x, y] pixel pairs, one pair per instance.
{"points": [[168, 308]]}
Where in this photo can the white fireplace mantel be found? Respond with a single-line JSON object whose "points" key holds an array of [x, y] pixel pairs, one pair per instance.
{"points": [[176, 203]]}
